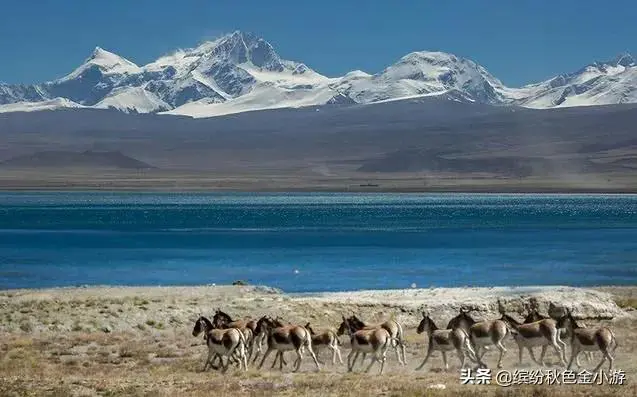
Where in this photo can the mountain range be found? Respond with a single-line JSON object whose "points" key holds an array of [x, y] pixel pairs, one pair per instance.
{"points": [[242, 72]]}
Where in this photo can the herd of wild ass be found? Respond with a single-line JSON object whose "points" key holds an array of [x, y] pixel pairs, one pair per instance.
{"points": [[243, 340]]}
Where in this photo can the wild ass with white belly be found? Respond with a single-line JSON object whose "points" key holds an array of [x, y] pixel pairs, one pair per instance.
{"points": [[395, 332], [589, 339], [446, 340], [286, 338], [482, 334], [221, 342], [375, 341], [247, 327], [538, 333], [326, 339]]}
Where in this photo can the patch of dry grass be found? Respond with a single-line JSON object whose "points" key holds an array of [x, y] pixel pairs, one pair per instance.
{"points": [[627, 302]]}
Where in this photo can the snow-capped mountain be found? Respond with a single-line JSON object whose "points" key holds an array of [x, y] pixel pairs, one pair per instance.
{"points": [[600, 83], [421, 73], [242, 72]]}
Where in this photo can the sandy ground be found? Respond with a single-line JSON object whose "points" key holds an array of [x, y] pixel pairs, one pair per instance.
{"points": [[288, 180], [116, 341]]}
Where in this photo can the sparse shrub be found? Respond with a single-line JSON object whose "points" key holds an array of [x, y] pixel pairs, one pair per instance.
{"points": [[239, 282], [26, 326], [626, 303]]}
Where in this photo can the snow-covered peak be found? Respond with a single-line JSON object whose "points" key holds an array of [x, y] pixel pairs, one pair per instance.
{"points": [[241, 71], [356, 74], [107, 62], [624, 59]]}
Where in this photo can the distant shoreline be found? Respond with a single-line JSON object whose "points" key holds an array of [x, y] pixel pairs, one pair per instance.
{"points": [[458, 190]]}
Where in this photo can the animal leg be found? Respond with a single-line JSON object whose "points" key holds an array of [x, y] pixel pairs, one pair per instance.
{"points": [[461, 357], [297, 362], [350, 363], [503, 350], [309, 348], [208, 360], [338, 353], [374, 358], [541, 362], [577, 362], [574, 353], [562, 349], [444, 360], [267, 353], [224, 368], [611, 360], [604, 357], [396, 346], [558, 350], [333, 349]]}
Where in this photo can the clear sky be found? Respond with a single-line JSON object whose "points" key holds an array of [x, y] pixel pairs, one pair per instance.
{"points": [[519, 41]]}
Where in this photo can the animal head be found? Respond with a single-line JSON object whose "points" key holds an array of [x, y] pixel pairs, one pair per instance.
{"points": [[202, 324], [264, 324], [309, 328], [220, 318], [277, 322], [567, 320], [533, 315], [344, 327], [426, 324], [355, 322]]}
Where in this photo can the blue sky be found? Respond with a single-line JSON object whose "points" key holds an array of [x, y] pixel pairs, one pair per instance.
{"points": [[518, 41]]}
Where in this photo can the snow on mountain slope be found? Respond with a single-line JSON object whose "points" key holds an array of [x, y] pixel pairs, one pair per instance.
{"points": [[20, 93], [596, 84], [51, 104], [133, 99], [422, 73], [107, 63], [264, 96], [241, 72]]}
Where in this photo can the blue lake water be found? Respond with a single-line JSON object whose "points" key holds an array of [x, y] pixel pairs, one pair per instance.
{"points": [[316, 242]]}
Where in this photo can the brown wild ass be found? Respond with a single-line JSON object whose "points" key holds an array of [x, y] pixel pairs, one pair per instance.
{"points": [[395, 332], [221, 342], [286, 338], [368, 340], [482, 334], [247, 327], [445, 340], [589, 339], [326, 339]]}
